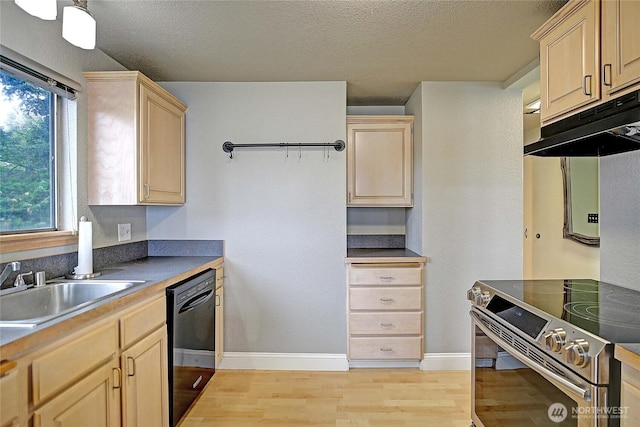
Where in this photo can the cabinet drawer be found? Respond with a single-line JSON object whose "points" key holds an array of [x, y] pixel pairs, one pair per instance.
{"points": [[385, 323], [385, 276], [387, 298], [54, 370], [385, 348], [142, 321]]}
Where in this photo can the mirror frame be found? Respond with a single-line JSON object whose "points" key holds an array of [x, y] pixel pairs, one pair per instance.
{"points": [[567, 230]]}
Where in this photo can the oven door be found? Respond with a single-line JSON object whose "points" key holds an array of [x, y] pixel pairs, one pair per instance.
{"points": [[510, 389]]}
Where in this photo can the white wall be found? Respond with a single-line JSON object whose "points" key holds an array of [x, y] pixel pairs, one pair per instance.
{"points": [[42, 42], [471, 189], [620, 219], [283, 219]]}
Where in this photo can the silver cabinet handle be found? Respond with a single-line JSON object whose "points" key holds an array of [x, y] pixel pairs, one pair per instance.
{"points": [[131, 362], [117, 381], [386, 325], [604, 75], [387, 300], [147, 191], [386, 349], [584, 85], [386, 278]]}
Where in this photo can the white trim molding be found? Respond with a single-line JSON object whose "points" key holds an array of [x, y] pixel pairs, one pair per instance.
{"points": [[446, 362], [285, 361], [337, 362]]}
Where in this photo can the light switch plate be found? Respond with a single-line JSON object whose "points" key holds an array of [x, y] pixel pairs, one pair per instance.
{"points": [[124, 232]]}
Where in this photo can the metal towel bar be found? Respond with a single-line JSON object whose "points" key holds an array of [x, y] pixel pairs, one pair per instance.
{"points": [[229, 146]]}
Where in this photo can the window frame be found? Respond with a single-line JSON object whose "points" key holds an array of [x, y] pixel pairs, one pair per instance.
{"points": [[26, 69]]}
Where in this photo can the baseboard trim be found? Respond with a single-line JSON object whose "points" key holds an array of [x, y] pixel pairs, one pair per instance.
{"points": [[446, 362], [336, 362], [285, 361]]}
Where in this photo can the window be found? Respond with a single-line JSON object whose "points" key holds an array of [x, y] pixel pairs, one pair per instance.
{"points": [[28, 105], [27, 156]]}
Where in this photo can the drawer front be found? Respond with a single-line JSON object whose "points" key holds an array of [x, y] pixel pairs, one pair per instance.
{"points": [[390, 276], [71, 361], [385, 323], [142, 321], [385, 348], [385, 298]]}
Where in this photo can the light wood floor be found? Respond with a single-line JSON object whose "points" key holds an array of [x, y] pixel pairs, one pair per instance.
{"points": [[360, 397]]}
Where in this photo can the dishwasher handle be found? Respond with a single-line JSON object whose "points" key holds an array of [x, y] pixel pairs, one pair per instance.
{"points": [[198, 300]]}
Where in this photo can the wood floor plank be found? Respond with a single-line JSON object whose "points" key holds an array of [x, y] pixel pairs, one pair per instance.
{"points": [[357, 398]]}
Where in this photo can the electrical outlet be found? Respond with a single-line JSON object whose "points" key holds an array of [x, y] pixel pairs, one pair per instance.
{"points": [[124, 232], [592, 218]]}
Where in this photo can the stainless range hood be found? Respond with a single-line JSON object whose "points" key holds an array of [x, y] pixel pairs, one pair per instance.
{"points": [[609, 128]]}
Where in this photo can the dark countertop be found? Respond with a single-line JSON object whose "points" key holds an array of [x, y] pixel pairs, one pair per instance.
{"points": [[628, 354], [157, 274], [383, 255]]}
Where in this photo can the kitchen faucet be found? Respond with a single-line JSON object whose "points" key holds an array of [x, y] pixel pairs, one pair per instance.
{"points": [[11, 266]]}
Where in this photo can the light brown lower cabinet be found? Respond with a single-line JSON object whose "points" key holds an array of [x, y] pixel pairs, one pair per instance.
{"points": [[630, 396], [145, 382], [112, 373], [95, 399], [10, 395], [385, 311]]}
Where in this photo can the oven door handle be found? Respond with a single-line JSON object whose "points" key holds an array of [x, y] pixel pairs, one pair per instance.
{"points": [[194, 303], [584, 394]]}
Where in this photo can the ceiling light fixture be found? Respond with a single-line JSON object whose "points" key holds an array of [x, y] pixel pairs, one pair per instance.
{"points": [[78, 26], [43, 9]]}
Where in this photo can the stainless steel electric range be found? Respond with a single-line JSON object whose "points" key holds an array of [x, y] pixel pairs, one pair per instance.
{"points": [[542, 351]]}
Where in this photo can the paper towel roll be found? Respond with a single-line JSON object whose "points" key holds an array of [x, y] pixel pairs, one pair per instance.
{"points": [[85, 248]]}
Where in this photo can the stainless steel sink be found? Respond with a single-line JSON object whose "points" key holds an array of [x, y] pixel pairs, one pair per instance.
{"points": [[34, 306]]}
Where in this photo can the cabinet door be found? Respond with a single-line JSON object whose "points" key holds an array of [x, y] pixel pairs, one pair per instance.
{"points": [[380, 164], [95, 400], [630, 396], [145, 382], [620, 44], [11, 400], [162, 150], [219, 340], [569, 63]]}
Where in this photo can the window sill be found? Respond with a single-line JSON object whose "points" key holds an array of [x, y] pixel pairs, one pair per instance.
{"points": [[29, 241]]}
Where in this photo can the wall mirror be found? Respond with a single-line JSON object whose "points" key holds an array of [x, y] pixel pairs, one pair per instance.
{"points": [[581, 178]]}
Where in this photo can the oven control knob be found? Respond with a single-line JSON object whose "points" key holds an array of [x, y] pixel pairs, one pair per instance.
{"points": [[483, 299], [578, 353], [473, 293], [555, 339]]}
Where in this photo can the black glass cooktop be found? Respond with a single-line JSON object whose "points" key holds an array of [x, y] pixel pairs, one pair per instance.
{"points": [[608, 311]]}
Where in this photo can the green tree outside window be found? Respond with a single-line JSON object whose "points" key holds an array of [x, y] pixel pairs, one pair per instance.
{"points": [[27, 191]]}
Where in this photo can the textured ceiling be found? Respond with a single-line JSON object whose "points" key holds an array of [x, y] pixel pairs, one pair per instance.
{"points": [[382, 49]]}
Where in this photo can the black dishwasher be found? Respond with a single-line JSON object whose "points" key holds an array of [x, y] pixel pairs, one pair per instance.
{"points": [[191, 331]]}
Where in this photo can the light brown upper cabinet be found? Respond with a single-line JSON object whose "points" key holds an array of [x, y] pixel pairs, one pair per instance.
{"points": [[136, 141], [380, 161], [573, 74], [620, 45]]}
